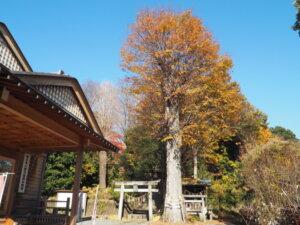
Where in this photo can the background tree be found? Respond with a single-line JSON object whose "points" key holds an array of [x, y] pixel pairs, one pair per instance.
{"points": [[296, 26], [144, 158], [168, 54], [105, 103], [127, 104], [60, 170], [284, 133], [222, 162]]}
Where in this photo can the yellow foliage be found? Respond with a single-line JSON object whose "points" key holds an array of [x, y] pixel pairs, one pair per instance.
{"points": [[156, 218], [166, 138], [264, 135]]}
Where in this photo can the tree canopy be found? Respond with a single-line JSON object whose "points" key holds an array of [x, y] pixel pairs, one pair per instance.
{"points": [[296, 26], [282, 132], [60, 170], [144, 157]]}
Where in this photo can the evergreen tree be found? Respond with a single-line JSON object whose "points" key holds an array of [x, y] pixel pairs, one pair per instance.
{"points": [[60, 170], [282, 132]]}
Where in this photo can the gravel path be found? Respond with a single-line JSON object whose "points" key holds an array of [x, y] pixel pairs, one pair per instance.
{"points": [[113, 222], [142, 222]]}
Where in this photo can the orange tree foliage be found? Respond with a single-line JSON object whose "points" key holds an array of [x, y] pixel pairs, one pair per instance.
{"points": [[211, 105], [211, 110], [163, 43]]}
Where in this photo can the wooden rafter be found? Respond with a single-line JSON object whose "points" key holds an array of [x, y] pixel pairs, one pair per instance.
{"points": [[19, 122]]}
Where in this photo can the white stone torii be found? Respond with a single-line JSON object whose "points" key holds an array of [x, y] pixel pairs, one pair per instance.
{"points": [[135, 188]]}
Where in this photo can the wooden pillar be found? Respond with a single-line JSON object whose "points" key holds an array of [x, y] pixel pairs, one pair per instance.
{"points": [[12, 196], [120, 212], [150, 202], [67, 206], [76, 188]]}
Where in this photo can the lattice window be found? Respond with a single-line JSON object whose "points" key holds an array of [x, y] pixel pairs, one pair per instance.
{"points": [[7, 58], [63, 96]]}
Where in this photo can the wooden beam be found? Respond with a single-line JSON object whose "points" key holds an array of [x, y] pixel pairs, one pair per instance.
{"points": [[86, 142], [71, 148], [76, 188], [19, 108], [9, 146], [4, 93], [153, 182], [132, 190], [193, 201], [195, 196], [88, 113]]}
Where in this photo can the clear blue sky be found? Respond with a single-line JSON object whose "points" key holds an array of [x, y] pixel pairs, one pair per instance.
{"points": [[84, 37]]}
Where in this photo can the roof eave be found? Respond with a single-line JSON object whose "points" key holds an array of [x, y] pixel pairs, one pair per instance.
{"points": [[8, 35], [99, 140]]}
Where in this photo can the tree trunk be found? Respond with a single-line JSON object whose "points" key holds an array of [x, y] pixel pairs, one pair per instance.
{"points": [[102, 168], [174, 206], [195, 156]]}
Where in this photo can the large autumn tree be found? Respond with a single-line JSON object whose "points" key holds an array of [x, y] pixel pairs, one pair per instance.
{"points": [[167, 54]]}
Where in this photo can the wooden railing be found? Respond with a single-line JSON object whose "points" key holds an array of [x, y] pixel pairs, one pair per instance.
{"points": [[195, 204], [43, 220], [50, 207], [48, 213]]}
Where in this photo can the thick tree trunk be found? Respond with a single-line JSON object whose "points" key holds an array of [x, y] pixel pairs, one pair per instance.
{"points": [[102, 168], [195, 157], [174, 206]]}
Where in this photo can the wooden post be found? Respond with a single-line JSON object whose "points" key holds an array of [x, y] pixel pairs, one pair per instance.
{"points": [[150, 202], [67, 206], [76, 188], [44, 206], [121, 202]]}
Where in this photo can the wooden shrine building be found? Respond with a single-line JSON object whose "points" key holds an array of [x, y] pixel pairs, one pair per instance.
{"points": [[40, 113], [195, 193]]}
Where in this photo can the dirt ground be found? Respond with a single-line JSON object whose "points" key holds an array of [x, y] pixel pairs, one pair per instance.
{"points": [[132, 222], [208, 222]]}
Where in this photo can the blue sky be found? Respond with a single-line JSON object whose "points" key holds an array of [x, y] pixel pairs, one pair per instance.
{"points": [[84, 38]]}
